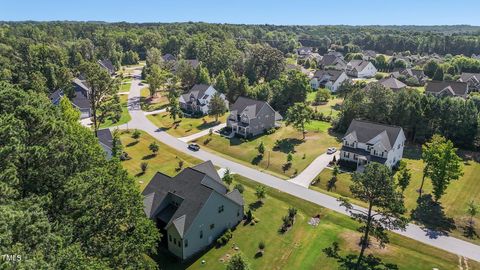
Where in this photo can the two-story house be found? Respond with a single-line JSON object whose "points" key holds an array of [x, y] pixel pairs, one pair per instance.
{"points": [[330, 79], [361, 69], [196, 100], [472, 79], [192, 209], [80, 98], [249, 117], [366, 142], [447, 89]]}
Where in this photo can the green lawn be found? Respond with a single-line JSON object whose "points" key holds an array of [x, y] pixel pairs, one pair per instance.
{"points": [[454, 202], [184, 126], [301, 247], [125, 86], [166, 160], [332, 107], [290, 140], [157, 102], [124, 118]]}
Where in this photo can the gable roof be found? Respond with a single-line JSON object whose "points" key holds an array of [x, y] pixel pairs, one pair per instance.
{"points": [[392, 83], [364, 131], [197, 91], [358, 65], [107, 64], [330, 59], [188, 189], [334, 74], [80, 99], [465, 77], [453, 88], [105, 137], [248, 106], [168, 57]]}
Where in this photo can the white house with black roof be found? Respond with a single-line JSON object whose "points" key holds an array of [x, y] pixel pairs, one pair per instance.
{"points": [[366, 142], [80, 98], [197, 100], [330, 79], [361, 69], [192, 209]]}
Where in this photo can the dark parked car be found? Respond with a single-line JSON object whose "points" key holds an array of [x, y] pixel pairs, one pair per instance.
{"points": [[194, 147]]}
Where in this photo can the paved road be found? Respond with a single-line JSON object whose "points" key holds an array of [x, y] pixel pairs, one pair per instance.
{"points": [[140, 121], [202, 133], [318, 165]]}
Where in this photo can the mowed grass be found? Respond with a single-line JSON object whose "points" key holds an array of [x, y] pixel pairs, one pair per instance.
{"points": [[275, 157], [157, 102], [124, 118], [165, 161], [454, 202], [301, 247], [125, 87], [332, 107], [184, 126]]}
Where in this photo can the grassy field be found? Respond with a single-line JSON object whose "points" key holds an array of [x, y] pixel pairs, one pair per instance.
{"points": [[124, 118], [184, 126], [166, 160], [289, 140], [125, 87], [332, 107], [301, 247], [159, 101], [454, 202]]}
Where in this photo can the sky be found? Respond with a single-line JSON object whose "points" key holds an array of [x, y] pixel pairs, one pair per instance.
{"points": [[280, 12]]}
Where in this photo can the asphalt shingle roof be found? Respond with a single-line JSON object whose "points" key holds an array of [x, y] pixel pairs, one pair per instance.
{"points": [[454, 88], [365, 131], [392, 83]]}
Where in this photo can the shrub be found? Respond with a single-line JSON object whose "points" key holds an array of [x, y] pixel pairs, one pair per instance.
{"points": [[239, 187], [136, 134], [378, 76], [261, 245], [143, 167], [223, 240]]}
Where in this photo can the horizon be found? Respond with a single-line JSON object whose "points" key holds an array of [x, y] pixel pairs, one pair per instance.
{"points": [[248, 12]]}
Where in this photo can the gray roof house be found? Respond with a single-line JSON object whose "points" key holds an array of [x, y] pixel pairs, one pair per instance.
{"points": [[304, 50], [197, 100], [79, 100], [366, 142], [249, 117], [168, 57], [107, 65], [192, 209], [472, 79], [447, 88], [392, 83], [330, 79], [332, 61], [361, 69], [105, 139], [410, 73]]}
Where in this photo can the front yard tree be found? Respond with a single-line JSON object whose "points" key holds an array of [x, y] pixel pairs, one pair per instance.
{"points": [[376, 187], [136, 134], [69, 113], [186, 73], [173, 105], [442, 164], [322, 95], [238, 262], [153, 147], [404, 177], [217, 106], [203, 76], [261, 148], [260, 192], [227, 177], [298, 115], [472, 211], [154, 79], [102, 88]]}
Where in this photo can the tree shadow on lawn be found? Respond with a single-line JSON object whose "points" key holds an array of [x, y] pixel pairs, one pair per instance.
{"points": [[256, 160], [255, 205], [287, 145], [412, 151], [147, 157], [206, 125], [431, 215], [132, 143]]}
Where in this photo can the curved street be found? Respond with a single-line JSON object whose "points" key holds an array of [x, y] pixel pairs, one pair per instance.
{"points": [[297, 187]]}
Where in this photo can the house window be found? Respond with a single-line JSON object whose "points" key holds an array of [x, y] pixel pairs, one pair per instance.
{"points": [[170, 237], [175, 241], [201, 234], [354, 156], [186, 242], [238, 213], [346, 154], [220, 209], [179, 243], [212, 226]]}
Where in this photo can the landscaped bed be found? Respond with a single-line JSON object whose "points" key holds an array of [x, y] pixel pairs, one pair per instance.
{"points": [[454, 202], [165, 161], [274, 159], [301, 246], [184, 126]]}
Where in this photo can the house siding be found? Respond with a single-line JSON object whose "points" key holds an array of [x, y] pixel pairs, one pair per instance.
{"points": [[232, 214]]}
